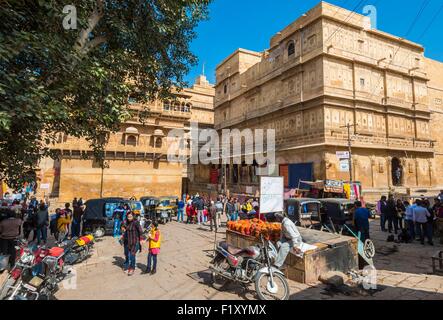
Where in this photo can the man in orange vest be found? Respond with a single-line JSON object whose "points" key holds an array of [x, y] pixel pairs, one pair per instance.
{"points": [[154, 241]]}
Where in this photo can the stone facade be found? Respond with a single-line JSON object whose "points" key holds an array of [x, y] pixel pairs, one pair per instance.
{"points": [[329, 69], [136, 156]]}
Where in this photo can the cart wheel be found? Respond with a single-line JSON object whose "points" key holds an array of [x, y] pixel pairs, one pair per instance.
{"points": [[369, 249]]}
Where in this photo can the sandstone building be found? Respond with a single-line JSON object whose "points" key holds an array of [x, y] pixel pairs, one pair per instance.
{"points": [[136, 157], [324, 71]]}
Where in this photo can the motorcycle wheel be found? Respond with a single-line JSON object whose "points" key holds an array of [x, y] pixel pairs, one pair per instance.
{"points": [[279, 281], [10, 282], [217, 281], [99, 232]]}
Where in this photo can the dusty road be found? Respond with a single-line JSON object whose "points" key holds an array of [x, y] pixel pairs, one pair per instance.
{"points": [[183, 263]]}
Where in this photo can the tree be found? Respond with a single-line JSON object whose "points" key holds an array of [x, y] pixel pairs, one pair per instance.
{"points": [[77, 81]]}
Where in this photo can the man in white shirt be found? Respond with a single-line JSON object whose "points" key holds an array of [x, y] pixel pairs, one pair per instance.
{"points": [[290, 239], [421, 215]]}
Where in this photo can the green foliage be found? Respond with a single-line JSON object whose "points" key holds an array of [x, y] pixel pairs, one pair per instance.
{"points": [[75, 82]]}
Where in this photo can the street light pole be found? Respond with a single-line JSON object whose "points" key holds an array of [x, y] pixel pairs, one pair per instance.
{"points": [[348, 127]]}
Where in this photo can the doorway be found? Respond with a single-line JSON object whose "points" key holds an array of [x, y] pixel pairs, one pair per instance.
{"points": [[397, 172]]}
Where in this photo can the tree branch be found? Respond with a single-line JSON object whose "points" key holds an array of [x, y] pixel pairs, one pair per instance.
{"points": [[93, 20]]}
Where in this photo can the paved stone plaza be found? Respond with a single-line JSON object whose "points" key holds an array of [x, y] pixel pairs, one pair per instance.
{"points": [[184, 259]]}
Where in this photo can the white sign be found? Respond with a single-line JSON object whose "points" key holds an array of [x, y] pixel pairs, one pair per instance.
{"points": [[271, 194], [344, 166], [342, 154], [249, 189], [44, 186]]}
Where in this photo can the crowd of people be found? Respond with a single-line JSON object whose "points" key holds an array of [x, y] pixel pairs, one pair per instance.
{"points": [[204, 209], [30, 220], [414, 221]]}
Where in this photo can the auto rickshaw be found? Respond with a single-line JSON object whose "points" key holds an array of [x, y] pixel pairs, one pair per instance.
{"points": [[303, 212], [98, 217], [337, 212], [166, 209], [149, 205]]}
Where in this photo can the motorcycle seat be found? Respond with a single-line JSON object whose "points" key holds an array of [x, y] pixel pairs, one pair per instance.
{"points": [[233, 250]]}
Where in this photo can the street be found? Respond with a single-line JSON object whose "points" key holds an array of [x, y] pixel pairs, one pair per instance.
{"points": [[183, 272]]}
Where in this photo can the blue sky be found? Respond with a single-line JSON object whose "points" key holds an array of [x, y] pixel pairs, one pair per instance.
{"points": [[250, 24]]}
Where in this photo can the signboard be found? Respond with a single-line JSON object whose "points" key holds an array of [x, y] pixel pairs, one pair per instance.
{"points": [[44, 186], [271, 194], [249, 190], [344, 166], [342, 154], [334, 186]]}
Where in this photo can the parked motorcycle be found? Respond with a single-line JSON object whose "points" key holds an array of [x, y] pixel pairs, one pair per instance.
{"points": [[77, 250], [26, 257], [250, 265], [40, 281]]}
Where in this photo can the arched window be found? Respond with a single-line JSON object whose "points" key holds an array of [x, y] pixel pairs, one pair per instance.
{"points": [[291, 48], [177, 106], [131, 141], [225, 88], [188, 107], [166, 106]]}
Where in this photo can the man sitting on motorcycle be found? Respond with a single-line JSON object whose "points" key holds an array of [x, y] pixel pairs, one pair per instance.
{"points": [[290, 239]]}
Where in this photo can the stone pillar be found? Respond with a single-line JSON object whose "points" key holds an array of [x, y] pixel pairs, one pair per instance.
{"points": [[430, 168], [373, 164], [389, 171], [417, 168]]}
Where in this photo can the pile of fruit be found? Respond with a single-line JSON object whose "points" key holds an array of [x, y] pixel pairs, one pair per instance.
{"points": [[256, 227]]}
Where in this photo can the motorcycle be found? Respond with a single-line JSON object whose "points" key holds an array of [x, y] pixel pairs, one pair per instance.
{"points": [[40, 280], [250, 265], [26, 256], [77, 250]]}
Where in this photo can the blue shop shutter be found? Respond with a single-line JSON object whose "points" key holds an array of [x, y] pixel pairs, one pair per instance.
{"points": [[300, 171]]}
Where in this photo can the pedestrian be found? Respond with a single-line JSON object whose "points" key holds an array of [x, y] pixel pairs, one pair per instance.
{"points": [[361, 219], [53, 223], [189, 209], [154, 242], [10, 230], [391, 214], [74, 203], [68, 212], [42, 223], [440, 195], [213, 216], [63, 223], [117, 216], [237, 209], [29, 224], [230, 210], [76, 221], [381, 210], [180, 210], [219, 210], [421, 218], [401, 211], [80, 202], [131, 238], [126, 209], [199, 206]]}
